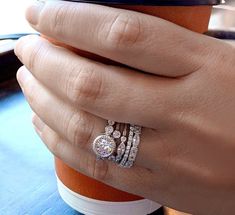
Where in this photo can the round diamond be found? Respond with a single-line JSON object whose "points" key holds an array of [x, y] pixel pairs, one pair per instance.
{"points": [[110, 122], [116, 134], [137, 129], [132, 128], [104, 146], [123, 139], [109, 130]]}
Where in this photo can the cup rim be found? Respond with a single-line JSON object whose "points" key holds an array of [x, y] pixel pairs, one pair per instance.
{"points": [[154, 2]]}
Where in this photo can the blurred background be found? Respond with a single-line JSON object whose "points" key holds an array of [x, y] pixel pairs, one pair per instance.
{"points": [[223, 16], [12, 16]]}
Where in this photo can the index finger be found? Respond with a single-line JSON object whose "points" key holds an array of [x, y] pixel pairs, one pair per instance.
{"points": [[138, 40]]}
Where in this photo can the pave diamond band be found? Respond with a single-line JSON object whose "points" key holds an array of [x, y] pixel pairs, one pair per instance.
{"points": [[134, 147], [119, 143]]}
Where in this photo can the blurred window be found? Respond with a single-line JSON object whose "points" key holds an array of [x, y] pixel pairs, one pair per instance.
{"points": [[12, 19]]}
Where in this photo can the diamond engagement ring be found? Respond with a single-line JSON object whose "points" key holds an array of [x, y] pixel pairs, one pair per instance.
{"points": [[104, 145], [119, 143]]}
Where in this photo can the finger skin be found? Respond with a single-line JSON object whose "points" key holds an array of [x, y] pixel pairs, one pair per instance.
{"points": [[81, 128], [107, 172], [107, 91], [161, 186], [77, 126], [196, 157], [135, 39]]}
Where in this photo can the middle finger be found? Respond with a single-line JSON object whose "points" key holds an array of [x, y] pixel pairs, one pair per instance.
{"points": [[80, 128], [135, 39]]}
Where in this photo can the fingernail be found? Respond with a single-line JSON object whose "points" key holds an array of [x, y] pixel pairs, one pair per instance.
{"points": [[22, 76], [38, 123], [33, 12]]}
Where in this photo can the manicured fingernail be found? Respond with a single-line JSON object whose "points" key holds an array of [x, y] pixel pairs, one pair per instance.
{"points": [[38, 123], [22, 76], [33, 12]]}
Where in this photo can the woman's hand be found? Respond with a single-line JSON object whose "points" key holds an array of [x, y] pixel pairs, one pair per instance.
{"points": [[184, 99]]}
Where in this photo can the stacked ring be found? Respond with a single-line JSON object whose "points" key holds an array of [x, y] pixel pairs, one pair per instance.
{"points": [[118, 146]]}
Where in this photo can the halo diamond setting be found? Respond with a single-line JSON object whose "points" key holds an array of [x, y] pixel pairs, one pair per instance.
{"points": [[104, 146]]}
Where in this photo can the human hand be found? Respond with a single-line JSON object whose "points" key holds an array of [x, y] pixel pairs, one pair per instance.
{"points": [[185, 101]]}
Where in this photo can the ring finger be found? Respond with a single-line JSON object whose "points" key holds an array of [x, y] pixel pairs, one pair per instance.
{"points": [[78, 127]]}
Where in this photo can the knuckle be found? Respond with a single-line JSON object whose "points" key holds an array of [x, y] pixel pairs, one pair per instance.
{"points": [[124, 30], [80, 129], [60, 18], [85, 87]]}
